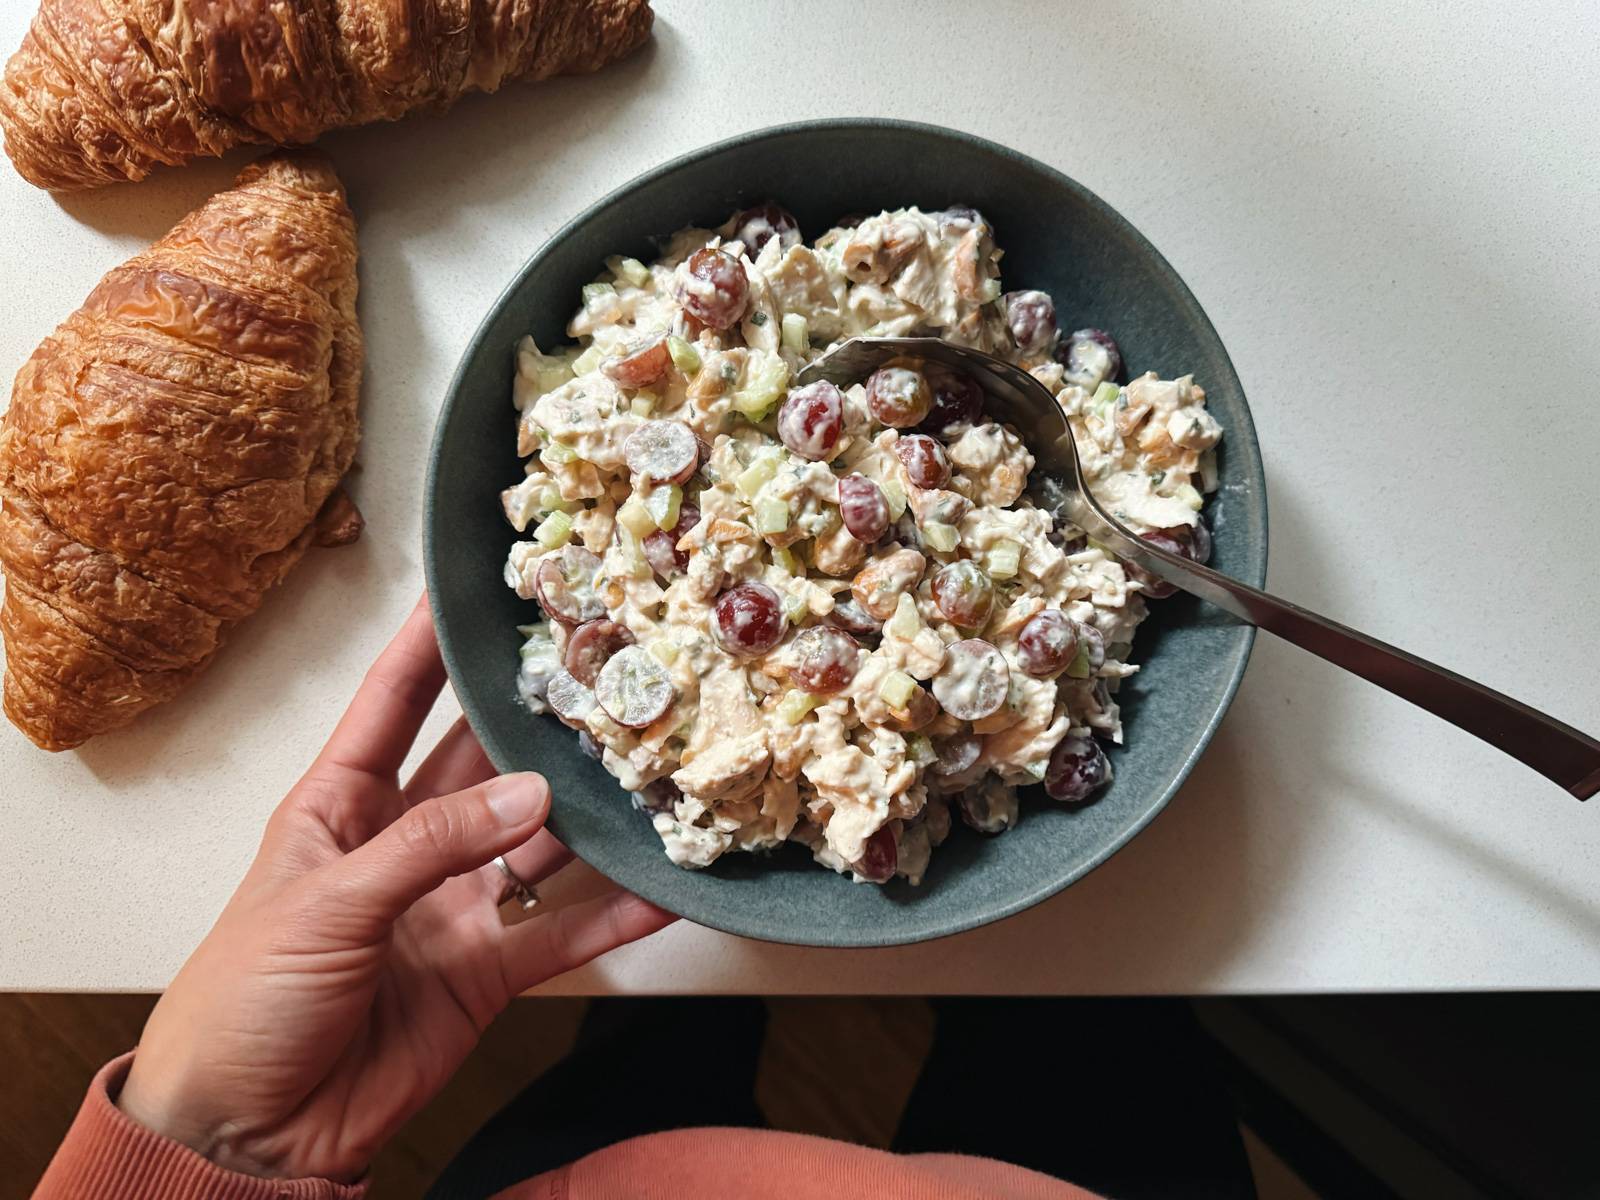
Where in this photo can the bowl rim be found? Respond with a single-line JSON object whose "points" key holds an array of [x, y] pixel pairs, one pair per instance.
{"points": [[826, 936]]}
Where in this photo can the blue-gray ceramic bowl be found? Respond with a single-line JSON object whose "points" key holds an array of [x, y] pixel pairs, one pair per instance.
{"points": [[1058, 237]]}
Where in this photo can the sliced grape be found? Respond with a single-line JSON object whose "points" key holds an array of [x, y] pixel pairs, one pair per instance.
{"points": [[878, 585], [956, 754], [661, 547], [1090, 356], [879, 857], [591, 645], [634, 688], [1031, 317], [570, 700], [1078, 768], [564, 584], [748, 620], [1047, 643], [662, 452], [853, 619], [587, 743], [957, 399], [811, 420], [826, 660], [1091, 652], [715, 289], [973, 682], [920, 710], [863, 507], [1154, 586], [964, 593], [924, 460], [961, 214], [640, 364], [757, 226], [899, 396], [659, 795], [989, 807]]}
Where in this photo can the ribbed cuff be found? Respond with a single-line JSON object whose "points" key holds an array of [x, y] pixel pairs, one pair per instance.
{"points": [[107, 1154]]}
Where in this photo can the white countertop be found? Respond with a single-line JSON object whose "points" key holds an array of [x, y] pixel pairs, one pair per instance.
{"points": [[1393, 218]]}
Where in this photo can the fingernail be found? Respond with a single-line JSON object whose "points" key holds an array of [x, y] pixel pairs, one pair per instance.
{"points": [[516, 799]]}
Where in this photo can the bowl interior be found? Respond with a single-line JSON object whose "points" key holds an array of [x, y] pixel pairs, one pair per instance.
{"points": [[1058, 237]]}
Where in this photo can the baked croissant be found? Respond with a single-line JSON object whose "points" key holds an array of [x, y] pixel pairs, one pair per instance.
{"points": [[103, 90], [174, 446]]}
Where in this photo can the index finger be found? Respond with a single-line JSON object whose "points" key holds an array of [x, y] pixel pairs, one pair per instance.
{"points": [[394, 699]]}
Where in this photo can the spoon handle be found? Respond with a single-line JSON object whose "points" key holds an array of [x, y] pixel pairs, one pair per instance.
{"points": [[1553, 748]]}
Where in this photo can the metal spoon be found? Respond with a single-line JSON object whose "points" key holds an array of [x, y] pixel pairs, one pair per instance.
{"points": [[1554, 749]]}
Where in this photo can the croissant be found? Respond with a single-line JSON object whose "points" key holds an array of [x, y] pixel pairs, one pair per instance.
{"points": [[173, 448], [103, 90]]}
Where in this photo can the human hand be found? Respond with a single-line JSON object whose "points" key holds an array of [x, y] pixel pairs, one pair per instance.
{"points": [[363, 954]]}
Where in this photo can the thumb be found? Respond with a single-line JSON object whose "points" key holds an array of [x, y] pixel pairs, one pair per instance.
{"points": [[441, 838]]}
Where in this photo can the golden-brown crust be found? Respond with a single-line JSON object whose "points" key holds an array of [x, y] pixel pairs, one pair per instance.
{"points": [[105, 90], [173, 448]]}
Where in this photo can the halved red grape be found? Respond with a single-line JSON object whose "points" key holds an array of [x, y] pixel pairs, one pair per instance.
{"points": [[964, 593], [853, 619], [661, 547], [570, 700], [863, 508], [811, 419], [659, 795], [715, 290], [1047, 643], [919, 711], [634, 688], [1031, 317], [879, 585], [591, 645], [1195, 539], [1154, 586], [1090, 354], [826, 660], [956, 754], [879, 857], [899, 396], [564, 584], [757, 226], [748, 619], [1078, 768], [961, 214], [640, 364], [989, 806], [974, 680], [662, 452], [957, 399], [924, 460], [589, 746], [1092, 647]]}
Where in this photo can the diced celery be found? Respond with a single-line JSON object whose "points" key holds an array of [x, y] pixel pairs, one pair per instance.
{"points": [[920, 750], [629, 271], [684, 356], [1103, 400], [557, 454], [764, 381], [772, 516], [593, 292], [1079, 667], [758, 474], [940, 536], [989, 290], [1092, 544], [1187, 493], [555, 530], [1004, 559], [897, 689], [795, 608], [1037, 769], [588, 360], [793, 708], [665, 652], [896, 496], [662, 503], [550, 500], [787, 559], [635, 518], [907, 621], [644, 402], [796, 333]]}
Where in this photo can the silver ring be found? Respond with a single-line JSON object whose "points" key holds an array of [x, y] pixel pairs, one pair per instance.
{"points": [[523, 892]]}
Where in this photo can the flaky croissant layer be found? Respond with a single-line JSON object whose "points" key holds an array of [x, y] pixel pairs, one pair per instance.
{"points": [[173, 448], [104, 90]]}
